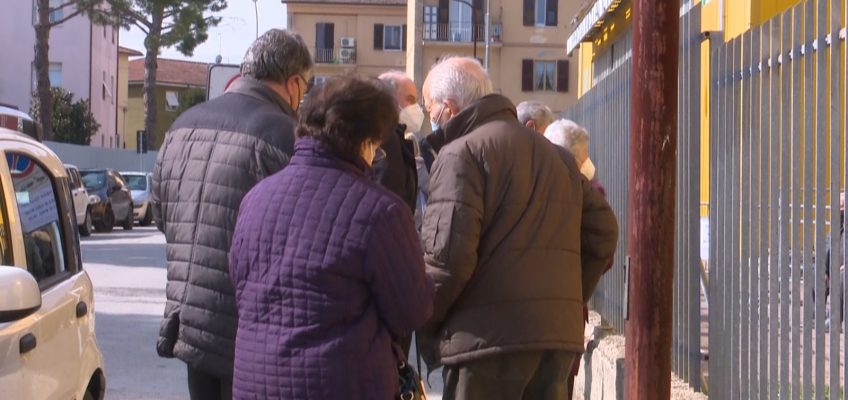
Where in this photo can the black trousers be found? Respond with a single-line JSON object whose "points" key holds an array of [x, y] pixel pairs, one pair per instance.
{"points": [[533, 375], [202, 386]]}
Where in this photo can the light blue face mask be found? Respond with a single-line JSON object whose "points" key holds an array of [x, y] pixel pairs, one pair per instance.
{"points": [[434, 124]]}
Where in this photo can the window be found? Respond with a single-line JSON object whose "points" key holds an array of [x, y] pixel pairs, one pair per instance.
{"points": [[112, 88], [324, 42], [55, 74], [431, 22], [38, 211], [541, 12], [390, 37], [544, 75], [172, 101], [56, 15]]}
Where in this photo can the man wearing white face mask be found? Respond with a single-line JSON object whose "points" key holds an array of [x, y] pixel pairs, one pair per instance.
{"points": [[407, 179]]}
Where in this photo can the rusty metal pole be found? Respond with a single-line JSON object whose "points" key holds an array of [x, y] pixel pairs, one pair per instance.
{"points": [[650, 233]]}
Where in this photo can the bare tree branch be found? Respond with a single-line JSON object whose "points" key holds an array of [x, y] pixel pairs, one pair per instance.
{"points": [[144, 28], [67, 4], [65, 18]]}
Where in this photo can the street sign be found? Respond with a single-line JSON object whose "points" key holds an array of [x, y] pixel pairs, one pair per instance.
{"points": [[219, 79]]}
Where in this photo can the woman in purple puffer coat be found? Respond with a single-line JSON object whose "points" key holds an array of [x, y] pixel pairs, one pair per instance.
{"points": [[326, 264]]}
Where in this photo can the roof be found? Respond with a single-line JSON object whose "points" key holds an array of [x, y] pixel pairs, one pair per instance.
{"points": [[129, 51], [352, 2], [171, 72]]}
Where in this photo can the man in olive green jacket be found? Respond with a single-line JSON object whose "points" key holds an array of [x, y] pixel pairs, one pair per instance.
{"points": [[514, 237]]}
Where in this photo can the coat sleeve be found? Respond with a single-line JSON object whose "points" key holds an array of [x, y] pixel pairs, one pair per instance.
{"points": [[452, 229], [395, 274], [157, 187], [598, 237]]}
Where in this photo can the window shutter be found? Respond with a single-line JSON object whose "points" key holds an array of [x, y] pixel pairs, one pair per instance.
{"points": [[562, 76], [319, 36], [526, 75], [443, 20], [403, 39], [553, 12], [529, 12], [329, 36], [378, 36]]}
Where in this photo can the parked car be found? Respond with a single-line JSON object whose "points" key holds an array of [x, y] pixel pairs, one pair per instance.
{"points": [[81, 200], [48, 348], [110, 199], [140, 184]]}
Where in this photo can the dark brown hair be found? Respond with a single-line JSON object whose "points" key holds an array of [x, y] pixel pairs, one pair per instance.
{"points": [[346, 111]]}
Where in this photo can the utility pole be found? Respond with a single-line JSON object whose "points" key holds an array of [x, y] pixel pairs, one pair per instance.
{"points": [[652, 206], [414, 41]]}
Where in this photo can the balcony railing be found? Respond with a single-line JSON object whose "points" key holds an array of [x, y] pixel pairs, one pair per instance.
{"points": [[461, 32], [336, 55]]}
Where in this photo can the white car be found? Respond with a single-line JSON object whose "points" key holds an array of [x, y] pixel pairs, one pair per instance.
{"points": [[140, 184], [48, 348], [81, 201]]}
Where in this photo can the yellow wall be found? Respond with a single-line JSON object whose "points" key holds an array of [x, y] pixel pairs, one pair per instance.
{"points": [[741, 15]]}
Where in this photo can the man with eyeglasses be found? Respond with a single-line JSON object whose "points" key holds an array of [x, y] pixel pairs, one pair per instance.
{"points": [[212, 156]]}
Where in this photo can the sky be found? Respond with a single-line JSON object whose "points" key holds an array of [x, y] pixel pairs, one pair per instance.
{"points": [[230, 38]]}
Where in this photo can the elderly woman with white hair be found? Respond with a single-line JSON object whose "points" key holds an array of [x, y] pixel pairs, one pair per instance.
{"points": [[574, 138]]}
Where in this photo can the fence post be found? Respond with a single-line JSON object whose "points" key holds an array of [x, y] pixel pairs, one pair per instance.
{"points": [[652, 199]]}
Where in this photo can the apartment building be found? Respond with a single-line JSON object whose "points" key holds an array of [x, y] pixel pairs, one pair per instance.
{"points": [[83, 60], [365, 37], [527, 47]]}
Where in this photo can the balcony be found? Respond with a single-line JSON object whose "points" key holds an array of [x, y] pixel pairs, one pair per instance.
{"points": [[461, 32], [343, 55]]}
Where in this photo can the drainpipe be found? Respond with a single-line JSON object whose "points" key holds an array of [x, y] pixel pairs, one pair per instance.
{"points": [[652, 203], [487, 33]]}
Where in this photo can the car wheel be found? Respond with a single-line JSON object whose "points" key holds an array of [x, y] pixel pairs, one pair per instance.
{"points": [[107, 223], [128, 222], [85, 228], [148, 217]]}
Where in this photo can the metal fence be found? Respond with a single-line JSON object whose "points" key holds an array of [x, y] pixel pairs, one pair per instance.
{"points": [[759, 306], [605, 112], [778, 140]]}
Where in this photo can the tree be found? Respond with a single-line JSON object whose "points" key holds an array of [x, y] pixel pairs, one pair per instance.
{"points": [[72, 121], [47, 18], [165, 23], [191, 98]]}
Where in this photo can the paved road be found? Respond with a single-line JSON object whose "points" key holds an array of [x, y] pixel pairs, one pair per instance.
{"points": [[128, 271]]}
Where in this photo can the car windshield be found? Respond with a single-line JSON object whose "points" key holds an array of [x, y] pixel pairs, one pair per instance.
{"points": [[93, 180], [136, 182]]}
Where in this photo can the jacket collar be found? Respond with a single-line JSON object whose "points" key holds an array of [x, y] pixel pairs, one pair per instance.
{"points": [[258, 90], [493, 106], [308, 151]]}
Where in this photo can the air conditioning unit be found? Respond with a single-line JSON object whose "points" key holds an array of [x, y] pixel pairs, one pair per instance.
{"points": [[346, 54], [348, 42]]}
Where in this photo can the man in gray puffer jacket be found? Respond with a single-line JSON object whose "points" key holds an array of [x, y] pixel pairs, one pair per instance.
{"points": [[212, 156]]}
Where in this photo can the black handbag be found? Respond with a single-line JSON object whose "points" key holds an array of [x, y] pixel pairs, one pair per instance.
{"points": [[410, 385]]}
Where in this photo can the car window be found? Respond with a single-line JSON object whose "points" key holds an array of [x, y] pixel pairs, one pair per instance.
{"points": [[5, 242], [93, 180], [38, 211], [72, 175], [136, 182]]}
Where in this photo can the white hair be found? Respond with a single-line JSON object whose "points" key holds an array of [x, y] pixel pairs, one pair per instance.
{"points": [[536, 111], [567, 134], [459, 79]]}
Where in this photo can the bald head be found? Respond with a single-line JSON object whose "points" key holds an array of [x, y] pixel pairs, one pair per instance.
{"points": [[402, 87]]}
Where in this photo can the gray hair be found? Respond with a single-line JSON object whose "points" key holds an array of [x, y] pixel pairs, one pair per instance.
{"points": [[460, 79], [276, 56], [536, 111], [567, 134], [393, 79]]}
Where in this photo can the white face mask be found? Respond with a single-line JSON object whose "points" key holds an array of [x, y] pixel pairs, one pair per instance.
{"points": [[412, 116], [588, 169]]}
